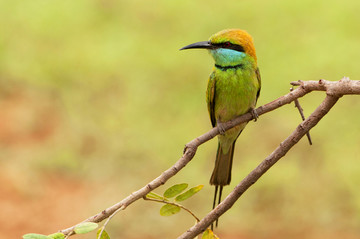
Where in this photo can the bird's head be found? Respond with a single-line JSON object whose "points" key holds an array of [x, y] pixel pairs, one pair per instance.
{"points": [[229, 47]]}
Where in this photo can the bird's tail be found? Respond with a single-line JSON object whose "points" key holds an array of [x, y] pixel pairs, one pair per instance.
{"points": [[221, 175]]}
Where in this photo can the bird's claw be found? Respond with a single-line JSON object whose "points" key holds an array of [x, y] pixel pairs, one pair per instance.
{"points": [[221, 128], [185, 148], [254, 114]]}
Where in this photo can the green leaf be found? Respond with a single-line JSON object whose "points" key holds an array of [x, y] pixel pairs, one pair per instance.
{"points": [[208, 234], [154, 196], [57, 235], [169, 209], [85, 227], [104, 234], [175, 190], [188, 193], [35, 236]]}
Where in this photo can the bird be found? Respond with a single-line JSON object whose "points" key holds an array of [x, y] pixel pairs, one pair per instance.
{"points": [[233, 90]]}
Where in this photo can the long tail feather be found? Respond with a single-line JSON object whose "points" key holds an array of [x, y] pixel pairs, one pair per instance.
{"points": [[215, 195], [221, 175], [220, 192], [214, 204]]}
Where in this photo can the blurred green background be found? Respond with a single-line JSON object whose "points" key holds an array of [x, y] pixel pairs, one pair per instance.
{"points": [[96, 100]]}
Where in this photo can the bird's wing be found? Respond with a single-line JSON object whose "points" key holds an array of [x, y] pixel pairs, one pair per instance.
{"points": [[259, 82], [210, 99]]}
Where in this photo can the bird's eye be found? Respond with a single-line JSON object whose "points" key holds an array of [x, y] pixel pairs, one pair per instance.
{"points": [[226, 44]]}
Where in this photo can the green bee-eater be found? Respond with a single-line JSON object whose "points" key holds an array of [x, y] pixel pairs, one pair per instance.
{"points": [[233, 89]]}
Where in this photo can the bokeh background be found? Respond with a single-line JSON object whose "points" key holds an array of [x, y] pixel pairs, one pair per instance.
{"points": [[96, 100]]}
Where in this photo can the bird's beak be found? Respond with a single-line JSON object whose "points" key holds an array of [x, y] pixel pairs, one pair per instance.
{"points": [[200, 45]]}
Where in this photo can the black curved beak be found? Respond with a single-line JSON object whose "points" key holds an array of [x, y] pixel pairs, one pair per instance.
{"points": [[199, 45]]}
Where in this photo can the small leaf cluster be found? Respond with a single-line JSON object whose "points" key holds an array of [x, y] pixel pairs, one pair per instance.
{"points": [[177, 191], [81, 228], [57, 235]]}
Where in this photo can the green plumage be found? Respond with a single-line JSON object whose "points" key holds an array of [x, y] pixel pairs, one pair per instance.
{"points": [[230, 93]]}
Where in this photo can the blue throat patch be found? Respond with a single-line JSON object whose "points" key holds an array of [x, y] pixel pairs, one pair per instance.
{"points": [[227, 57]]}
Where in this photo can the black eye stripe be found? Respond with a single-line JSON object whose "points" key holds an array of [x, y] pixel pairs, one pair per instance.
{"points": [[237, 48], [229, 45]]}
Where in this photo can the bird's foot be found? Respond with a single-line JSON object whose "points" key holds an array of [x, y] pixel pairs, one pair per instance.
{"points": [[221, 128], [185, 148], [254, 114]]}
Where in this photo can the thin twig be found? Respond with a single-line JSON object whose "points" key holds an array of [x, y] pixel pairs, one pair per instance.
{"points": [[108, 220], [172, 203], [301, 111]]}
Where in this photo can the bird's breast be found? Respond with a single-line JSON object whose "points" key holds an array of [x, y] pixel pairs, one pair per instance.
{"points": [[235, 93]]}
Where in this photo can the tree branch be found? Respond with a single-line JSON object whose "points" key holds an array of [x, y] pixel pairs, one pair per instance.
{"points": [[334, 91], [265, 165]]}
